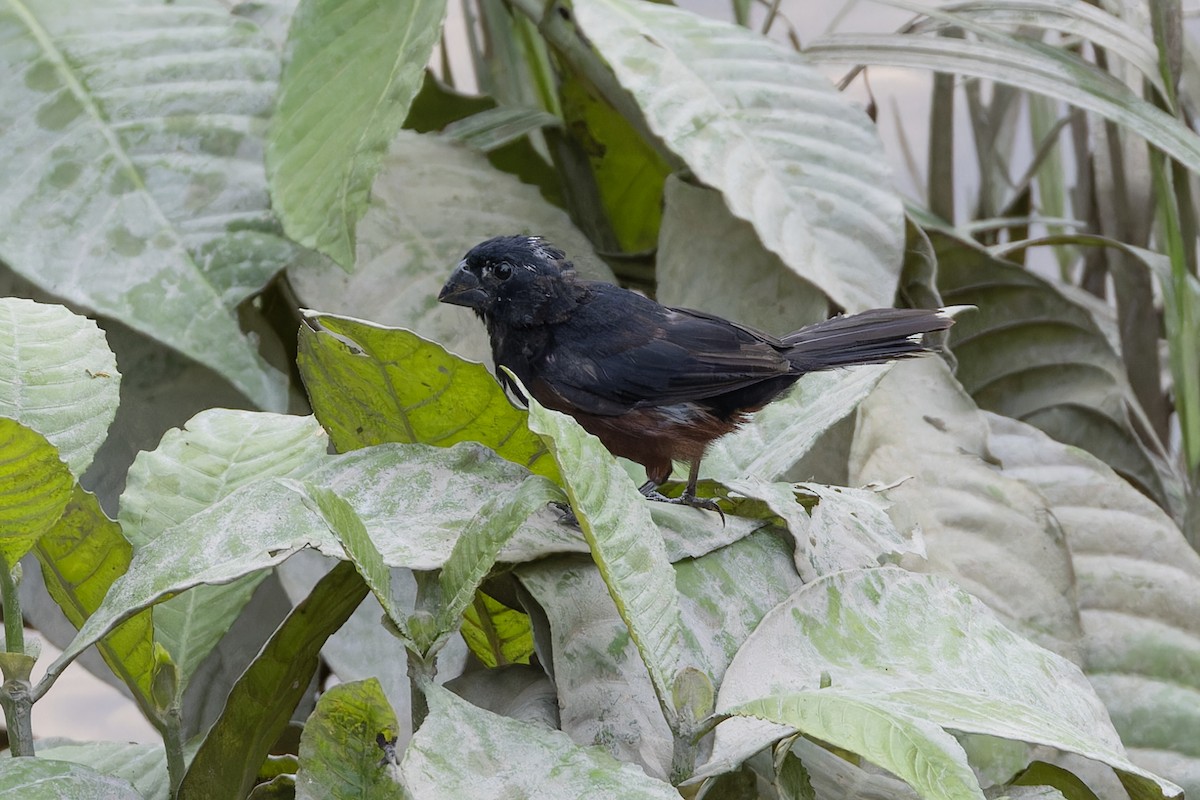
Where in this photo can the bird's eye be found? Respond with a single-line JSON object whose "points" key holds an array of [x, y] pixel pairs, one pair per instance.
{"points": [[504, 271]]}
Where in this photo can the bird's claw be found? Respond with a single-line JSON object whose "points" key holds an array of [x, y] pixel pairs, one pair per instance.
{"points": [[687, 499]]}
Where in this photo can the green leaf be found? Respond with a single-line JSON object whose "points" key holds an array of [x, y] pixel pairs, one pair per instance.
{"points": [[45, 779], [921, 753], [352, 72], [339, 756], [432, 202], [497, 757], [261, 704], [602, 685], [752, 118], [1137, 582], [143, 765], [624, 542], [414, 499], [370, 384], [134, 183], [992, 534], [478, 547], [495, 127], [1032, 66], [81, 557], [58, 377], [1030, 353], [776, 438], [217, 452], [496, 634], [35, 487], [898, 647], [698, 245], [605, 694], [628, 173]]}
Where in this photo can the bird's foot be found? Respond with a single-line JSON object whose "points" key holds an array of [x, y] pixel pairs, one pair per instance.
{"points": [[687, 499]]}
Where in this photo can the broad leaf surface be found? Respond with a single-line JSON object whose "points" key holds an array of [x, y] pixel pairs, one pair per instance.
{"points": [[134, 183], [498, 758], [1030, 353], [216, 453], [143, 765], [628, 173], [891, 643], [1138, 584], [352, 70], [369, 384], [261, 704], [992, 534], [623, 539], [414, 499], [339, 756], [752, 118], [1033, 66], [58, 377], [711, 260], [81, 557], [604, 692], [777, 437], [35, 487], [496, 634], [432, 202], [46, 779]]}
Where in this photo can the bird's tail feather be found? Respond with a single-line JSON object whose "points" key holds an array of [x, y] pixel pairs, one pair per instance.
{"points": [[872, 337]]}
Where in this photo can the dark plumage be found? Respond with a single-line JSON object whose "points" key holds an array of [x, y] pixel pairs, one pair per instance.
{"points": [[655, 384]]}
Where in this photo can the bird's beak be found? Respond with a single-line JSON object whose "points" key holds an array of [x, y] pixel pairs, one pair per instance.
{"points": [[463, 289]]}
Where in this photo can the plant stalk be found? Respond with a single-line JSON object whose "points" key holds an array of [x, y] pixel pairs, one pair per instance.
{"points": [[172, 733], [14, 622], [18, 716]]}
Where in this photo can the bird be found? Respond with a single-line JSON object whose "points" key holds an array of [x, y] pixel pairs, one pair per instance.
{"points": [[655, 384]]}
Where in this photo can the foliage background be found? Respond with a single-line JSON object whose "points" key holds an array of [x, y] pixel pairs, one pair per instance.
{"points": [[191, 173]]}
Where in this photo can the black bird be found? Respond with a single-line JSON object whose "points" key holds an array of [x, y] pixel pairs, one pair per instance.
{"points": [[654, 384]]}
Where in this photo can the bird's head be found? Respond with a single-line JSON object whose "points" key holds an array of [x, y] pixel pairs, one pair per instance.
{"points": [[518, 281]]}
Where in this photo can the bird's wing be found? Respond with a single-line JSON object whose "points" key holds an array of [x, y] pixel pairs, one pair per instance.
{"points": [[621, 351]]}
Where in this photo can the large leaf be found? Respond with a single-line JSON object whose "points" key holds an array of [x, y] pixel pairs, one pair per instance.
{"points": [[46, 779], [261, 704], [628, 174], [369, 384], [433, 201], [499, 758], [992, 534], [58, 377], [912, 654], [624, 542], [340, 758], [81, 557], [143, 765], [1030, 353], [134, 183], [776, 438], [711, 260], [1053, 71], [604, 692], [353, 69], [35, 487], [753, 119], [216, 453], [414, 499], [1138, 587]]}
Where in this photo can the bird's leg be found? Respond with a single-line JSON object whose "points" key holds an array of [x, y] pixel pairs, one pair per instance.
{"points": [[650, 490]]}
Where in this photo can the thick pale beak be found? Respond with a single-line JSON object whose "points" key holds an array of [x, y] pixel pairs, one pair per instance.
{"points": [[463, 289]]}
